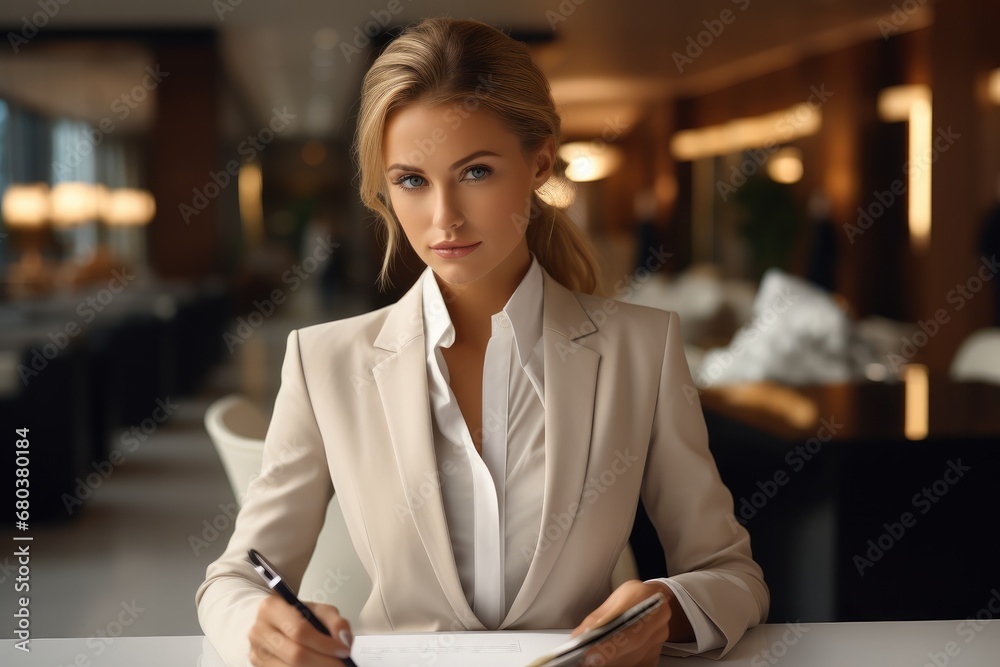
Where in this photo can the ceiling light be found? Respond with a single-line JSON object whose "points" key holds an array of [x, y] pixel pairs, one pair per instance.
{"points": [[589, 160], [785, 166], [993, 86]]}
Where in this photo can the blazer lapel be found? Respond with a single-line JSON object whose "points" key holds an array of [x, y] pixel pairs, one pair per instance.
{"points": [[570, 389], [402, 385]]}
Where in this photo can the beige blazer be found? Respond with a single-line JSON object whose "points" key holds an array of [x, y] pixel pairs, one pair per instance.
{"points": [[621, 420]]}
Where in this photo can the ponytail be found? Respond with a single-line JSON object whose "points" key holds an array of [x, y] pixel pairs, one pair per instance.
{"points": [[561, 248]]}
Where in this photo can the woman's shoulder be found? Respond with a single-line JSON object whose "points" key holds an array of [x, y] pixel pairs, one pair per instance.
{"points": [[343, 333], [608, 311]]}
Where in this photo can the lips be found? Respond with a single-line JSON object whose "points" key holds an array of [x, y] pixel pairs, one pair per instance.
{"points": [[452, 246], [456, 252]]}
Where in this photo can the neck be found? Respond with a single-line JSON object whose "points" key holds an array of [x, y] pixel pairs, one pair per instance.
{"points": [[472, 305]]}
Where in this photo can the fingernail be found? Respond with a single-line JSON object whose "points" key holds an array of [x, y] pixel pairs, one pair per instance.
{"points": [[345, 636]]}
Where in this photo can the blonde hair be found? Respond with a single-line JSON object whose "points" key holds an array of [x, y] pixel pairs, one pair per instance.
{"points": [[447, 61]]}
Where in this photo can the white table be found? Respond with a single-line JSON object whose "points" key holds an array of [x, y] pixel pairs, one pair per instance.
{"points": [[916, 644]]}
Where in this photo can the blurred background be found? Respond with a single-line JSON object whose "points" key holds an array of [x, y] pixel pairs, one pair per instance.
{"points": [[813, 185]]}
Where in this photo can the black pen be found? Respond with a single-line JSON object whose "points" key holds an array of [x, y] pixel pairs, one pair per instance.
{"points": [[275, 582]]}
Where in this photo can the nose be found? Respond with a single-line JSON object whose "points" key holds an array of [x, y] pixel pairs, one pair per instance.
{"points": [[447, 212]]}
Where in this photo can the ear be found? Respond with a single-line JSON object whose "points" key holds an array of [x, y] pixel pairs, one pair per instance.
{"points": [[544, 163]]}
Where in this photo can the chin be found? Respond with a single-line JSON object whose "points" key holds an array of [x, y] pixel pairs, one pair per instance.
{"points": [[457, 272], [458, 275]]}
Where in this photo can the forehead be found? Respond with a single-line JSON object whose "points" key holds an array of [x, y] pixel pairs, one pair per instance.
{"points": [[435, 136]]}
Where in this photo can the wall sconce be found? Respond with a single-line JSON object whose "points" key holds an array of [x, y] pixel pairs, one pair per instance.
{"points": [[912, 103], [993, 86], [785, 166], [251, 203], [587, 161], [916, 419]]}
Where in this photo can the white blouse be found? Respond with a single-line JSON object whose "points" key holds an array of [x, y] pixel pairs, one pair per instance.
{"points": [[493, 502]]}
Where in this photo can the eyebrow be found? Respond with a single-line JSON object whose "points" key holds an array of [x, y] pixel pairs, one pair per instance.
{"points": [[453, 167]]}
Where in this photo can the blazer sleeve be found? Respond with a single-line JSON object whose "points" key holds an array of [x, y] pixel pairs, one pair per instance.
{"points": [[281, 516], [706, 549]]}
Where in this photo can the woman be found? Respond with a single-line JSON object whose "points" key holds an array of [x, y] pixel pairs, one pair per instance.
{"points": [[490, 434]]}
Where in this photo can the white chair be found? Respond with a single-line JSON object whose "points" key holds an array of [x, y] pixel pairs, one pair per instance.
{"points": [[334, 574], [978, 358], [237, 429]]}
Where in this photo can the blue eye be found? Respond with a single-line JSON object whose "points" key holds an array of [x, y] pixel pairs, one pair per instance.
{"points": [[480, 167], [412, 182], [406, 177]]}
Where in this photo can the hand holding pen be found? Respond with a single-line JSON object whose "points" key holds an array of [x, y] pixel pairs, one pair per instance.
{"points": [[276, 618]]}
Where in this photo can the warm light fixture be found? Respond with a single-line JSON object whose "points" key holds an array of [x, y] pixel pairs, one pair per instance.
{"points": [[912, 103], [127, 207], [587, 161], [742, 134], [785, 166], [993, 86], [74, 203], [917, 401], [26, 206], [251, 208]]}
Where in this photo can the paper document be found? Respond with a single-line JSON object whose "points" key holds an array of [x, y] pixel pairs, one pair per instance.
{"points": [[454, 649]]}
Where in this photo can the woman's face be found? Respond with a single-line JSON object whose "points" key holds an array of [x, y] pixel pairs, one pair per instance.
{"points": [[456, 176]]}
